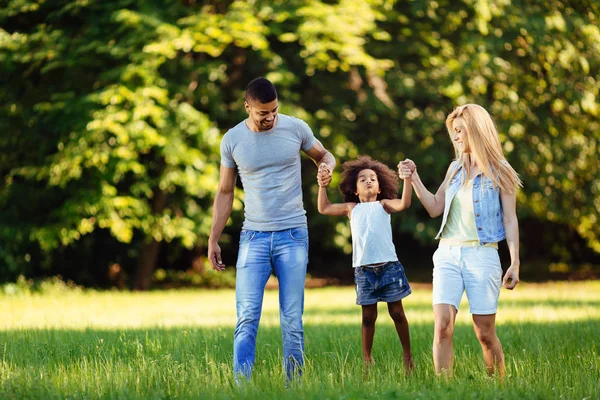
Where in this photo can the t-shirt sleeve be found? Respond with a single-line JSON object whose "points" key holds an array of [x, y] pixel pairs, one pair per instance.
{"points": [[307, 138], [227, 153]]}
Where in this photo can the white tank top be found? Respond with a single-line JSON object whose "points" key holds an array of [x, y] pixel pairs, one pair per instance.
{"points": [[371, 228]]}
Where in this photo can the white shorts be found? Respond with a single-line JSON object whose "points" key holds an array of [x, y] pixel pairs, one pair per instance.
{"points": [[474, 269]]}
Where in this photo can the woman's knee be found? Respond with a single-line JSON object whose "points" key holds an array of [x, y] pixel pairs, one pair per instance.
{"points": [[485, 329], [486, 336], [444, 327]]}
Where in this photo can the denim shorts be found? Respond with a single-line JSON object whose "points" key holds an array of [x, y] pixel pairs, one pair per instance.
{"points": [[475, 270], [386, 283]]}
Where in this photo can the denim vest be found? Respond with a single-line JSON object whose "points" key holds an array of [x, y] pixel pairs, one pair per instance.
{"points": [[486, 206]]}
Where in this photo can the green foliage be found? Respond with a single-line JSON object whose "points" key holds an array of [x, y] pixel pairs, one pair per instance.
{"points": [[112, 111], [209, 279], [49, 287], [99, 140]]}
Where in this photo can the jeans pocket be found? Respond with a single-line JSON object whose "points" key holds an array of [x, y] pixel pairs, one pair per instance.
{"points": [[438, 253], [246, 235], [400, 268], [299, 234]]}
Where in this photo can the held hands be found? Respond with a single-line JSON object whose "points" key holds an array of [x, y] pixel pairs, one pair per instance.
{"points": [[324, 175], [511, 277], [406, 168]]}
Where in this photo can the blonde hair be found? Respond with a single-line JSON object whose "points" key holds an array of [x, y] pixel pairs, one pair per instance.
{"points": [[485, 147]]}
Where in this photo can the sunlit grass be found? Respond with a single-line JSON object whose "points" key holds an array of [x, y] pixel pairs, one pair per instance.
{"points": [[125, 310], [178, 344]]}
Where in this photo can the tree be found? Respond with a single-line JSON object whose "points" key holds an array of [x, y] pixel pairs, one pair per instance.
{"points": [[99, 139], [114, 111]]}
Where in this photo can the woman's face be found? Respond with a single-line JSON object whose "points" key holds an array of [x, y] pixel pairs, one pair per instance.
{"points": [[460, 135]]}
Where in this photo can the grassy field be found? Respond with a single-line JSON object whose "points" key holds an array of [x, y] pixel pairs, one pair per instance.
{"points": [[178, 344]]}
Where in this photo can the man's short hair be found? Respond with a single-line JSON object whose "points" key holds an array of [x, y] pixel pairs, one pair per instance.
{"points": [[261, 90]]}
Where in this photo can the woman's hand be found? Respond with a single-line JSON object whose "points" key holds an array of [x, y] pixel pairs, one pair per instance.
{"points": [[406, 168], [511, 277]]}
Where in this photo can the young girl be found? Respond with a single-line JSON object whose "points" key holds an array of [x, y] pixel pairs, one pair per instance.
{"points": [[370, 191]]}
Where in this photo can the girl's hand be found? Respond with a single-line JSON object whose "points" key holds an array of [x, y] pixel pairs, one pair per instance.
{"points": [[406, 168], [324, 175]]}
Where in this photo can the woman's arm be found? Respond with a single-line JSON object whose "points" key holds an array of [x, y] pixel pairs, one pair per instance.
{"points": [[433, 203], [511, 226]]}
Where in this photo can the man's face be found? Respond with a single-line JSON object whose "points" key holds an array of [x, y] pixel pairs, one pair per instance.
{"points": [[262, 116]]}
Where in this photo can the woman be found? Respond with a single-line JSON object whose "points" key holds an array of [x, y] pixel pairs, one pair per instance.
{"points": [[477, 199]]}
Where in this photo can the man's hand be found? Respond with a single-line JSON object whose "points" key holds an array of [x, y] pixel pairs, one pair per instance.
{"points": [[324, 175], [214, 255], [512, 275]]}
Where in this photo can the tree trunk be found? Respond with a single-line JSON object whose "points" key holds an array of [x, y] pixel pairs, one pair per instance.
{"points": [[150, 248]]}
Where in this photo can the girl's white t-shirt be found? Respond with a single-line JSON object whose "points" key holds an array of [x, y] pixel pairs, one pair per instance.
{"points": [[371, 228]]}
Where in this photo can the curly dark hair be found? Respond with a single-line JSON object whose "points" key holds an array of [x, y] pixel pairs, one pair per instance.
{"points": [[388, 179]]}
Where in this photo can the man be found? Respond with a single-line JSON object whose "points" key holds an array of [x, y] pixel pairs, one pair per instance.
{"points": [[265, 150]]}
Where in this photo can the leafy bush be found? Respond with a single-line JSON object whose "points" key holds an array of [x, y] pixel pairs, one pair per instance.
{"points": [[26, 287], [191, 278]]}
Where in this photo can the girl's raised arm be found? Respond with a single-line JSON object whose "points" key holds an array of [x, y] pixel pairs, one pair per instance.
{"points": [[326, 208], [396, 205]]}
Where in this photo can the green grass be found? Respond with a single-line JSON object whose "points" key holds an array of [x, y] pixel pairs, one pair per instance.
{"points": [[178, 344]]}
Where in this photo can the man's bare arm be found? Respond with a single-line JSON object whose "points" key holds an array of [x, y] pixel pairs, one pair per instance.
{"points": [[320, 155], [221, 212]]}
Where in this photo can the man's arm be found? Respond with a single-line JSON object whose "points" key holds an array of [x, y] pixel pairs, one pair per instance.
{"points": [[221, 212], [321, 156]]}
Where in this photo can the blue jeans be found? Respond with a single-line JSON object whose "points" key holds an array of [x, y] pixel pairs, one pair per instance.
{"points": [[285, 253]]}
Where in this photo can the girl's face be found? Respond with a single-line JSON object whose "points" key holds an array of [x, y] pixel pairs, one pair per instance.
{"points": [[367, 185], [460, 135]]}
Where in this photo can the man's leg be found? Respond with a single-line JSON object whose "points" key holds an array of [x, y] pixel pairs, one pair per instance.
{"points": [[253, 270], [290, 258]]}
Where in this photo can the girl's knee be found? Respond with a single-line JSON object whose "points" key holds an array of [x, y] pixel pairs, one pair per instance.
{"points": [[369, 316], [369, 320], [398, 316]]}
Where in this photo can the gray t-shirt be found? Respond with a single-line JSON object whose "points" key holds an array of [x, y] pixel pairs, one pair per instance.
{"points": [[269, 165]]}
